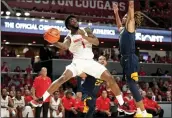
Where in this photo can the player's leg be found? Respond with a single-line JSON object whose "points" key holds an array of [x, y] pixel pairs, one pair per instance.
{"points": [[106, 76], [68, 74], [132, 77], [97, 70], [135, 92], [91, 107], [57, 83]]}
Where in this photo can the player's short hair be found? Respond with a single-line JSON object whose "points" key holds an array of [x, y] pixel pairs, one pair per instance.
{"points": [[67, 20]]}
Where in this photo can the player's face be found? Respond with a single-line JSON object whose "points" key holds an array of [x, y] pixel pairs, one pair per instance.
{"points": [[124, 19], [73, 23], [102, 60]]}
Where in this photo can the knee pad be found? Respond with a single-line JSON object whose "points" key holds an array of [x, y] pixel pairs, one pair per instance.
{"points": [[134, 76]]}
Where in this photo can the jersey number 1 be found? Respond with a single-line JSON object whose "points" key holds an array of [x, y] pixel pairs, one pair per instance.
{"points": [[83, 44]]}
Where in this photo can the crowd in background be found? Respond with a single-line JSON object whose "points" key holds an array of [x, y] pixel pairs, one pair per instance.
{"points": [[20, 85], [46, 53]]}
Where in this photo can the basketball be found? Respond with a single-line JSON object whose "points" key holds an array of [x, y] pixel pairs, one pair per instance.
{"points": [[52, 35]]}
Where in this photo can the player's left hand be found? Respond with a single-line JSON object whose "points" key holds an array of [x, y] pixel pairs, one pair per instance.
{"points": [[115, 8]]}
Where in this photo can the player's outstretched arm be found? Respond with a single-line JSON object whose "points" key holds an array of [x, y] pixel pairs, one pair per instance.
{"points": [[65, 45], [130, 24], [91, 37], [118, 20]]}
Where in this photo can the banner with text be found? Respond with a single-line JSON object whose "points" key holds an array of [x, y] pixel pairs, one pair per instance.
{"points": [[38, 26], [75, 6]]}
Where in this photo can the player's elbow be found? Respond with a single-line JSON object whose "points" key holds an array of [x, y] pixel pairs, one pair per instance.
{"points": [[96, 42]]}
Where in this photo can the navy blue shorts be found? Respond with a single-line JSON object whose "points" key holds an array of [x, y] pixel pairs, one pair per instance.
{"points": [[129, 64]]}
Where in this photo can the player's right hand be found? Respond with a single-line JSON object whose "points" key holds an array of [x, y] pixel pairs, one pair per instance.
{"points": [[81, 32], [115, 8]]}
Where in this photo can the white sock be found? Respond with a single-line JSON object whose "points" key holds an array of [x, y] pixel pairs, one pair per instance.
{"points": [[144, 113], [139, 111], [120, 99], [46, 95]]}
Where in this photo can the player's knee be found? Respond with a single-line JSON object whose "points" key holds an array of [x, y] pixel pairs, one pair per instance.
{"points": [[106, 77]]}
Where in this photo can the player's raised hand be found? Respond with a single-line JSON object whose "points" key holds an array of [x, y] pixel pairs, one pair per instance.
{"points": [[115, 8], [88, 30]]}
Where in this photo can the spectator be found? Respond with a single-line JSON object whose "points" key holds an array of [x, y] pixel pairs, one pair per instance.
{"points": [[56, 106], [149, 60], [19, 104], [26, 87], [28, 97], [156, 59], [12, 95], [61, 92], [79, 104], [165, 86], [142, 72], [22, 90], [29, 69], [131, 104], [12, 53], [15, 82], [68, 103], [17, 69], [40, 85], [28, 80], [6, 105], [21, 79], [169, 97], [152, 106], [160, 83], [103, 105], [30, 54], [166, 73], [4, 52], [45, 53], [170, 80], [113, 72], [141, 59], [4, 67], [13, 88], [146, 86], [159, 98], [159, 72]]}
